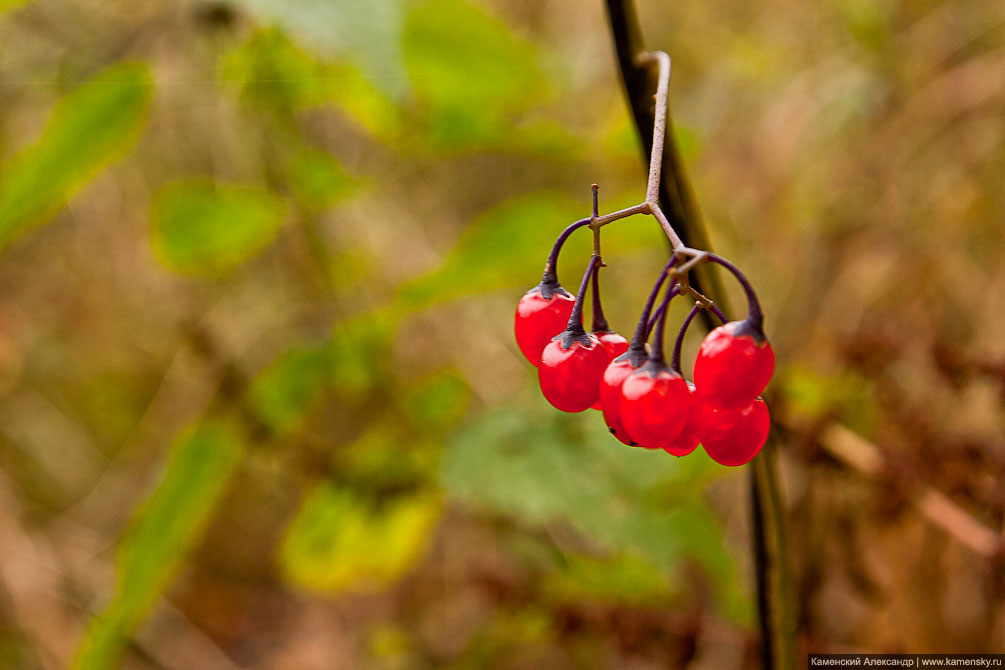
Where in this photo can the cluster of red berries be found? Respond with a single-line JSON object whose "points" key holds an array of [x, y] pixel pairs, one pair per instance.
{"points": [[645, 401]]}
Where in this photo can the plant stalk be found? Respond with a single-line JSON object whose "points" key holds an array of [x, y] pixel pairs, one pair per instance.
{"points": [[775, 610]]}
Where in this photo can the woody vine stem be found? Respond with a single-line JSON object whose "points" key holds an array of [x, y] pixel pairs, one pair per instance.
{"points": [[669, 200]]}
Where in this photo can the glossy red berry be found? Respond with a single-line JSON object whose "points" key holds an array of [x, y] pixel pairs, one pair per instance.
{"points": [[570, 371], [733, 366], [655, 406], [541, 314], [689, 438], [615, 374], [614, 345], [733, 437]]}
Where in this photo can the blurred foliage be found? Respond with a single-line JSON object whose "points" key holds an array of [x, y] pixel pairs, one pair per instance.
{"points": [[197, 469], [90, 128], [348, 200], [549, 469], [337, 541], [210, 228]]}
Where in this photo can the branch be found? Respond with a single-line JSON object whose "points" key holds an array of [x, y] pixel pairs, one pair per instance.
{"points": [[652, 122]]}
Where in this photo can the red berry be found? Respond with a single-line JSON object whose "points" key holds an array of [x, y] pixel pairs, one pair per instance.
{"points": [[614, 345], [570, 375], [539, 318], [689, 438], [733, 366], [615, 374], [733, 437], [656, 405]]}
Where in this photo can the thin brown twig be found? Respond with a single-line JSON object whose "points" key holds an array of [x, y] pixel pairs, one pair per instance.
{"points": [[651, 204], [866, 458]]}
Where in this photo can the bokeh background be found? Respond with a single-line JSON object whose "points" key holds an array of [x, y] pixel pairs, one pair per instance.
{"points": [[260, 405]]}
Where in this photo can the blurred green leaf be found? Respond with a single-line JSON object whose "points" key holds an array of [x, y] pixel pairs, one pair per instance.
{"points": [[340, 541], [846, 396], [90, 128], [436, 402], [387, 459], [274, 73], [318, 180], [204, 228], [507, 246], [198, 468], [546, 469], [291, 385], [360, 348], [469, 71]]}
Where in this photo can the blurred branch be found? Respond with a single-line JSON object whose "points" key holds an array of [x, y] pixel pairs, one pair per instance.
{"points": [[866, 458], [775, 611]]}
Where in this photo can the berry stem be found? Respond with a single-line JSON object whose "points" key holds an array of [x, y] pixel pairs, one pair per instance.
{"points": [[600, 324], [642, 330], [657, 355], [679, 342], [652, 319], [575, 327], [754, 315], [551, 266], [675, 360]]}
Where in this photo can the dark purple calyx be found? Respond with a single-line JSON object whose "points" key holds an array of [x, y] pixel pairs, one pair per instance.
{"points": [[568, 338], [653, 368], [549, 286], [750, 327]]}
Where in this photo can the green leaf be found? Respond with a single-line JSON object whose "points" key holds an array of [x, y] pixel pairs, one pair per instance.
{"points": [[545, 468], [90, 128], [341, 541], [274, 73], [289, 387], [435, 402], [360, 351], [204, 228], [318, 180], [468, 70], [198, 468]]}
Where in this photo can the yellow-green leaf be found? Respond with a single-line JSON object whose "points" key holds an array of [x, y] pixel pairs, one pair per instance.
{"points": [[10, 4], [90, 127], [341, 541]]}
